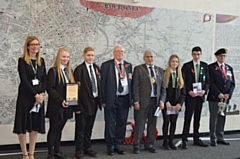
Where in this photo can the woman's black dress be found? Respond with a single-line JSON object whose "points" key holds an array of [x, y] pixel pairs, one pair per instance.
{"points": [[24, 120]]}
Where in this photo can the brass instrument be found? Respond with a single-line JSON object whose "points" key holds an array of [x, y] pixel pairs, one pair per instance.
{"points": [[222, 106]]}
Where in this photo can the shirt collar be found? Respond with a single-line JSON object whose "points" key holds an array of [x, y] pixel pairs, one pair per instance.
{"points": [[219, 64], [88, 64], [173, 71], [194, 63], [62, 66], [118, 62], [150, 66]]}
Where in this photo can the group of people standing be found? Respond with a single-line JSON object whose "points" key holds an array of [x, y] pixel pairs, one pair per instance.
{"points": [[148, 89]]}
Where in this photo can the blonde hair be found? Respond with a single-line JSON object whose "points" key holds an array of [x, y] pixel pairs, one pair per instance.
{"points": [[57, 64], [25, 55], [180, 82]]}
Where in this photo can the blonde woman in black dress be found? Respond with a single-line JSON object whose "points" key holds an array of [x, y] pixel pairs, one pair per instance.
{"points": [[32, 72], [174, 100], [57, 110]]}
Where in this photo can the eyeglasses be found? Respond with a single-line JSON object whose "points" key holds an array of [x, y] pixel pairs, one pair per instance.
{"points": [[34, 44], [118, 51]]}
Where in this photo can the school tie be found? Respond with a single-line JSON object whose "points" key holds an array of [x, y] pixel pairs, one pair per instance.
{"points": [[154, 84], [120, 87], [198, 69], [66, 74], [174, 79], [94, 89]]}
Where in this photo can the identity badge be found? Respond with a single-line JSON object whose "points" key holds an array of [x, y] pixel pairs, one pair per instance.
{"points": [[35, 82]]}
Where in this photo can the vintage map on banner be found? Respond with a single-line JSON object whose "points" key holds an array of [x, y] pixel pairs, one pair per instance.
{"points": [[75, 24]]}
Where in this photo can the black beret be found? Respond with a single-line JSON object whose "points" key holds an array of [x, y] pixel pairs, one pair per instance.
{"points": [[221, 51]]}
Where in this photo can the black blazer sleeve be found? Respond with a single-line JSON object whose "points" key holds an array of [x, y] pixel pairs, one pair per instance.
{"points": [[78, 76], [52, 79], [44, 77], [104, 68], [185, 72]]}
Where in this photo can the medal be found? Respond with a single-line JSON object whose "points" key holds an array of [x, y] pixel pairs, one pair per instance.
{"points": [[153, 80]]}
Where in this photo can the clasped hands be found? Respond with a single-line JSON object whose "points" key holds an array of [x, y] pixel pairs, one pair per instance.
{"points": [[193, 94], [223, 96], [39, 98], [169, 107]]}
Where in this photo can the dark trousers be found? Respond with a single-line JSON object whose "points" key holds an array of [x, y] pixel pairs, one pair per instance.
{"points": [[55, 133], [83, 130], [217, 122], [192, 107], [115, 122], [172, 120], [140, 117]]}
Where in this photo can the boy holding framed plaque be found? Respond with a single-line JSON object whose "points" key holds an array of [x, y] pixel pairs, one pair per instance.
{"points": [[88, 75]]}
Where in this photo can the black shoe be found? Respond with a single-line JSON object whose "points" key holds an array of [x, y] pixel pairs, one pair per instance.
{"points": [[60, 155], [200, 143], [184, 145], [165, 146], [223, 142], [110, 152], [213, 143], [90, 152], [136, 150], [120, 151], [50, 157], [172, 146], [79, 154], [151, 149]]}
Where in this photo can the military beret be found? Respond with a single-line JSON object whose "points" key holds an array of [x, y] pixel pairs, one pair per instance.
{"points": [[221, 51]]}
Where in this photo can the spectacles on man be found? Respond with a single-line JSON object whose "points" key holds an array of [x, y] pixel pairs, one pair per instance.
{"points": [[118, 51], [34, 44]]}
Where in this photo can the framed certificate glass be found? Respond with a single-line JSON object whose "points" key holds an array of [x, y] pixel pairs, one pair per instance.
{"points": [[72, 94]]}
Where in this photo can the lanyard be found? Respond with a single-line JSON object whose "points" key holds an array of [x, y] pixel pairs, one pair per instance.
{"points": [[34, 69], [121, 71]]}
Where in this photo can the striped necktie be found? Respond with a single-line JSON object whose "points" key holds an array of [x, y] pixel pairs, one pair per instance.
{"points": [[94, 89]]}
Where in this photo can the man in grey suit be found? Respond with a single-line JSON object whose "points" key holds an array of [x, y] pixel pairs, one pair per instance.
{"points": [[149, 92]]}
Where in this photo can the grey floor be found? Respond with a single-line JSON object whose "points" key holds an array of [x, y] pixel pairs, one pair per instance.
{"points": [[193, 152]]}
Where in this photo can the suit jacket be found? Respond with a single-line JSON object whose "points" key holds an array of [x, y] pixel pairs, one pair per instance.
{"points": [[175, 95], [86, 100], [109, 82], [142, 87], [56, 95], [189, 74], [217, 83]]}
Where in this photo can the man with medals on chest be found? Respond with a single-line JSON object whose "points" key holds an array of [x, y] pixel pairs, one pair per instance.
{"points": [[149, 93], [220, 92]]}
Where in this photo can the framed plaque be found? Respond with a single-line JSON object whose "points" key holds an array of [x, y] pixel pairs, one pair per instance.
{"points": [[72, 94]]}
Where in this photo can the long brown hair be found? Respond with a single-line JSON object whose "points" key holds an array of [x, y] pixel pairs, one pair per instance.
{"points": [[57, 64], [25, 54], [180, 82]]}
